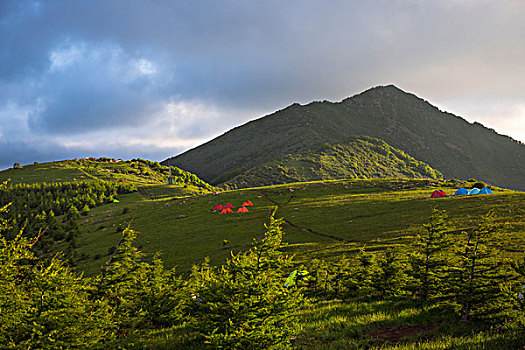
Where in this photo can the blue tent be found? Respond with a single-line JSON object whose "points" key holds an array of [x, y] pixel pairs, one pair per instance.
{"points": [[474, 191], [485, 190], [461, 192]]}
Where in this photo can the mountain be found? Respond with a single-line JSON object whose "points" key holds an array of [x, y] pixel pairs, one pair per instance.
{"points": [[360, 158], [448, 143]]}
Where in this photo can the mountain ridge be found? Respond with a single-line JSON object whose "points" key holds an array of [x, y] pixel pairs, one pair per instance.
{"points": [[448, 143]]}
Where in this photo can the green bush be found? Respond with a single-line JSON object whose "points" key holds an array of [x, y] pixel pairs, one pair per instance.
{"points": [[243, 304]]}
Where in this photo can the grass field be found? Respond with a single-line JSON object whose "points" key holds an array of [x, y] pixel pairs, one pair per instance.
{"points": [[324, 219]]}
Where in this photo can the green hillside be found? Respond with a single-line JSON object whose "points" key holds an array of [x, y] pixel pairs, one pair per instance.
{"points": [[448, 143], [361, 158], [126, 299], [145, 174]]}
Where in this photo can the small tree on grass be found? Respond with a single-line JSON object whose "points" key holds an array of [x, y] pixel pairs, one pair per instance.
{"points": [[514, 291], [480, 270], [243, 304], [142, 294], [389, 277], [364, 271], [429, 257], [85, 210]]}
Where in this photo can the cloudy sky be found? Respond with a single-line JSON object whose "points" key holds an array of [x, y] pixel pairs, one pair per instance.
{"points": [[151, 79]]}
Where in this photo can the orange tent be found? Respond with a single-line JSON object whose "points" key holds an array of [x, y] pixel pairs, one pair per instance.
{"points": [[228, 205], [247, 204], [226, 211], [242, 210], [217, 207]]}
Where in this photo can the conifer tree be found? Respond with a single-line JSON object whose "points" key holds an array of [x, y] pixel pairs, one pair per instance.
{"points": [[480, 270], [244, 304], [388, 276], [142, 294], [365, 270], [430, 256], [514, 292], [43, 305]]}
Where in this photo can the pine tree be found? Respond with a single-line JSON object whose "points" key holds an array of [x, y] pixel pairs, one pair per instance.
{"points": [[85, 210], [514, 291], [479, 271], [243, 304], [430, 256], [365, 270], [389, 278], [43, 305], [142, 294]]}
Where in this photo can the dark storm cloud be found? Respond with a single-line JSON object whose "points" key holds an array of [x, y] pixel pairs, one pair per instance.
{"points": [[75, 67]]}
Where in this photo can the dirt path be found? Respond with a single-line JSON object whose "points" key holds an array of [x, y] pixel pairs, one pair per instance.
{"points": [[299, 227]]}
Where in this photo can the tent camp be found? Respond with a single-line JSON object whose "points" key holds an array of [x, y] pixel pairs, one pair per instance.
{"points": [[217, 207], [242, 210], [474, 191], [485, 190], [247, 204], [226, 211], [438, 194], [461, 192]]}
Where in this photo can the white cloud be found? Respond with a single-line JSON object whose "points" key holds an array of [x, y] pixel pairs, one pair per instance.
{"points": [[61, 58]]}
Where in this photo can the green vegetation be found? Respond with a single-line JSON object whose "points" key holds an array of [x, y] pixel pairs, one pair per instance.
{"points": [[352, 303], [51, 199], [388, 266], [34, 209], [362, 158], [446, 142], [140, 172]]}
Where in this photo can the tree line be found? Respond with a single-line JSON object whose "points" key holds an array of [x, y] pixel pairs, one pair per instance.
{"points": [[36, 208]]}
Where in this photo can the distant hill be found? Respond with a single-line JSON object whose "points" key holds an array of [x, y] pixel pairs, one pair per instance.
{"points": [[360, 158], [448, 143], [140, 172]]}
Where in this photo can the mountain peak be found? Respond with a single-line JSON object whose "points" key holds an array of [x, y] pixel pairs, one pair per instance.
{"points": [[403, 120]]}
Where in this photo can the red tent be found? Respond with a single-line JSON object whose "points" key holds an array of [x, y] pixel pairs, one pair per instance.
{"points": [[242, 210], [228, 205], [438, 194], [217, 207], [226, 211], [247, 204]]}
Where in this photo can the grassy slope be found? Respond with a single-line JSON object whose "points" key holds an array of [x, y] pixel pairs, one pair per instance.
{"points": [[361, 158], [343, 215], [146, 175], [446, 142]]}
